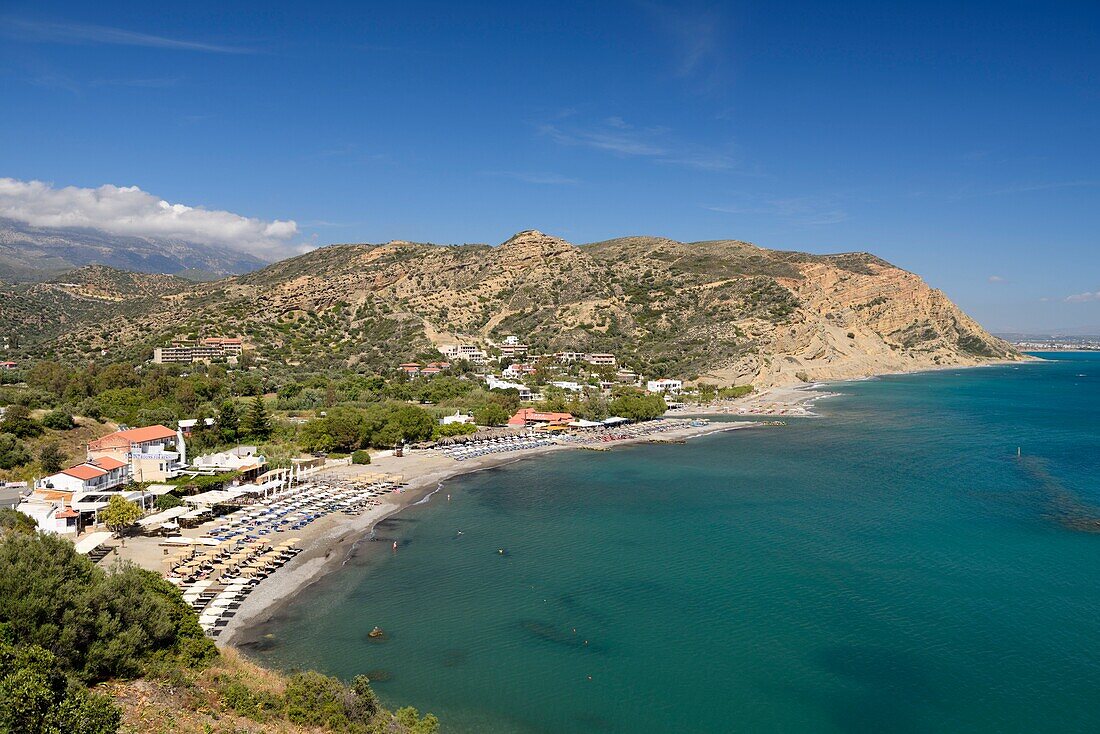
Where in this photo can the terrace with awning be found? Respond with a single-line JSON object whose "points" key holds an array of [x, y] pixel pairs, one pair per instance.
{"points": [[159, 520], [92, 542]]}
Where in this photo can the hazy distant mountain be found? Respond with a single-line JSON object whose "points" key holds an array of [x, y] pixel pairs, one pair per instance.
{"points": [[725, 311], [37, 253]]}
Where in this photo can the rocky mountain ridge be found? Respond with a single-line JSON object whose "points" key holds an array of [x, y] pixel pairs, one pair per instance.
{"points": [[724, 311]]}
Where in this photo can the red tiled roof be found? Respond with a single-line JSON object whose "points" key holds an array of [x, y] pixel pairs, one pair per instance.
{"points": [[108, 463], [83, 472], [69, 512], [123, 439], [526, 415]]}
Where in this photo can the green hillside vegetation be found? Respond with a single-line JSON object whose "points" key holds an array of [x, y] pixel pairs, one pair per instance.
{"points": [[71, 634], [346, 410]]}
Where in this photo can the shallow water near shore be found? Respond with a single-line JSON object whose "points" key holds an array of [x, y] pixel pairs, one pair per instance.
{"points": [[889, 566]]}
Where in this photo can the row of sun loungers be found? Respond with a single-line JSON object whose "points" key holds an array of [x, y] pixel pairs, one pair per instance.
{"points": [[474, 449], [296, 511], [215, 581], [239, 568]]}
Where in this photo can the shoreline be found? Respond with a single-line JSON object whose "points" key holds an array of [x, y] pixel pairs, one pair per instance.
{"points": [[328, 546], [798, 398]]}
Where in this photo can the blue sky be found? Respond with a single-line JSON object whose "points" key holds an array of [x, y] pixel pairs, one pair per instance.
{"points": [[957, 140]]}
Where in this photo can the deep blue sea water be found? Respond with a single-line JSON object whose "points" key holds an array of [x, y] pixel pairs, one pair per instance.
{"points": [[889, 566]]}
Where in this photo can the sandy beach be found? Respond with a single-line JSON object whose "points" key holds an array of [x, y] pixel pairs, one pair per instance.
{"points": [[791, 401]]}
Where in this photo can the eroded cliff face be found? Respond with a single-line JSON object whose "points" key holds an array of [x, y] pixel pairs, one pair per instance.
{"points": [[852, 324], [721, 311]]}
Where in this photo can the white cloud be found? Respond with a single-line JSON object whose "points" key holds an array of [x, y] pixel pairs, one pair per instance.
{"points": [[802, 211], [996, 279], [695, 39], [617, 136], [1083, 297], [127, 210], [627, 143], [22, 29]]}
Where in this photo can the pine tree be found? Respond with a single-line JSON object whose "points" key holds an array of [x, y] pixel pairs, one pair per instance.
{"points": [[257, 423]]}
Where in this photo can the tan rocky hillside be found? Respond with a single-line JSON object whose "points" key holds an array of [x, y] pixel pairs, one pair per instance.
{"points": [[725, 311], [78, 300]]}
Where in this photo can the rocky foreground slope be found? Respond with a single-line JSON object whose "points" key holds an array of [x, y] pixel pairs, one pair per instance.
{"points": [[724, 311]]}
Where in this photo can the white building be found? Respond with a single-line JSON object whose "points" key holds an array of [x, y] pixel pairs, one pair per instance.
{"points": [[494, 384], [513, 350], [567, 357], [145, 450], [606, 359], [243, 459], [665, 385], [185, 352], [568, 386], [187, 425], [517, 370], [458, 417], [472, 353], [10, 494], [100, 474], [52, 516]]}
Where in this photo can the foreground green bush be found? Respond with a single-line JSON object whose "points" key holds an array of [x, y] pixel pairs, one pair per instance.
{"points": [[36, 696], [13, 521], [312, 699], [99, 625], [66, 623]]}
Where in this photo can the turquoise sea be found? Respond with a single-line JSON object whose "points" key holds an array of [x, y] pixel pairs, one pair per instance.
{"points": [[889, 566]]}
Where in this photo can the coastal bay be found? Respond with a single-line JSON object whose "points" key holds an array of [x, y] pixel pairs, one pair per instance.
{"points": [[889, 565], [330, 544]]}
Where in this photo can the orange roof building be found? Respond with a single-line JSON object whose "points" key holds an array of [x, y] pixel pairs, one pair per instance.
{"points": [[101, 474], [83, 472], [108, 463], [126, 439], [530, 416]]}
